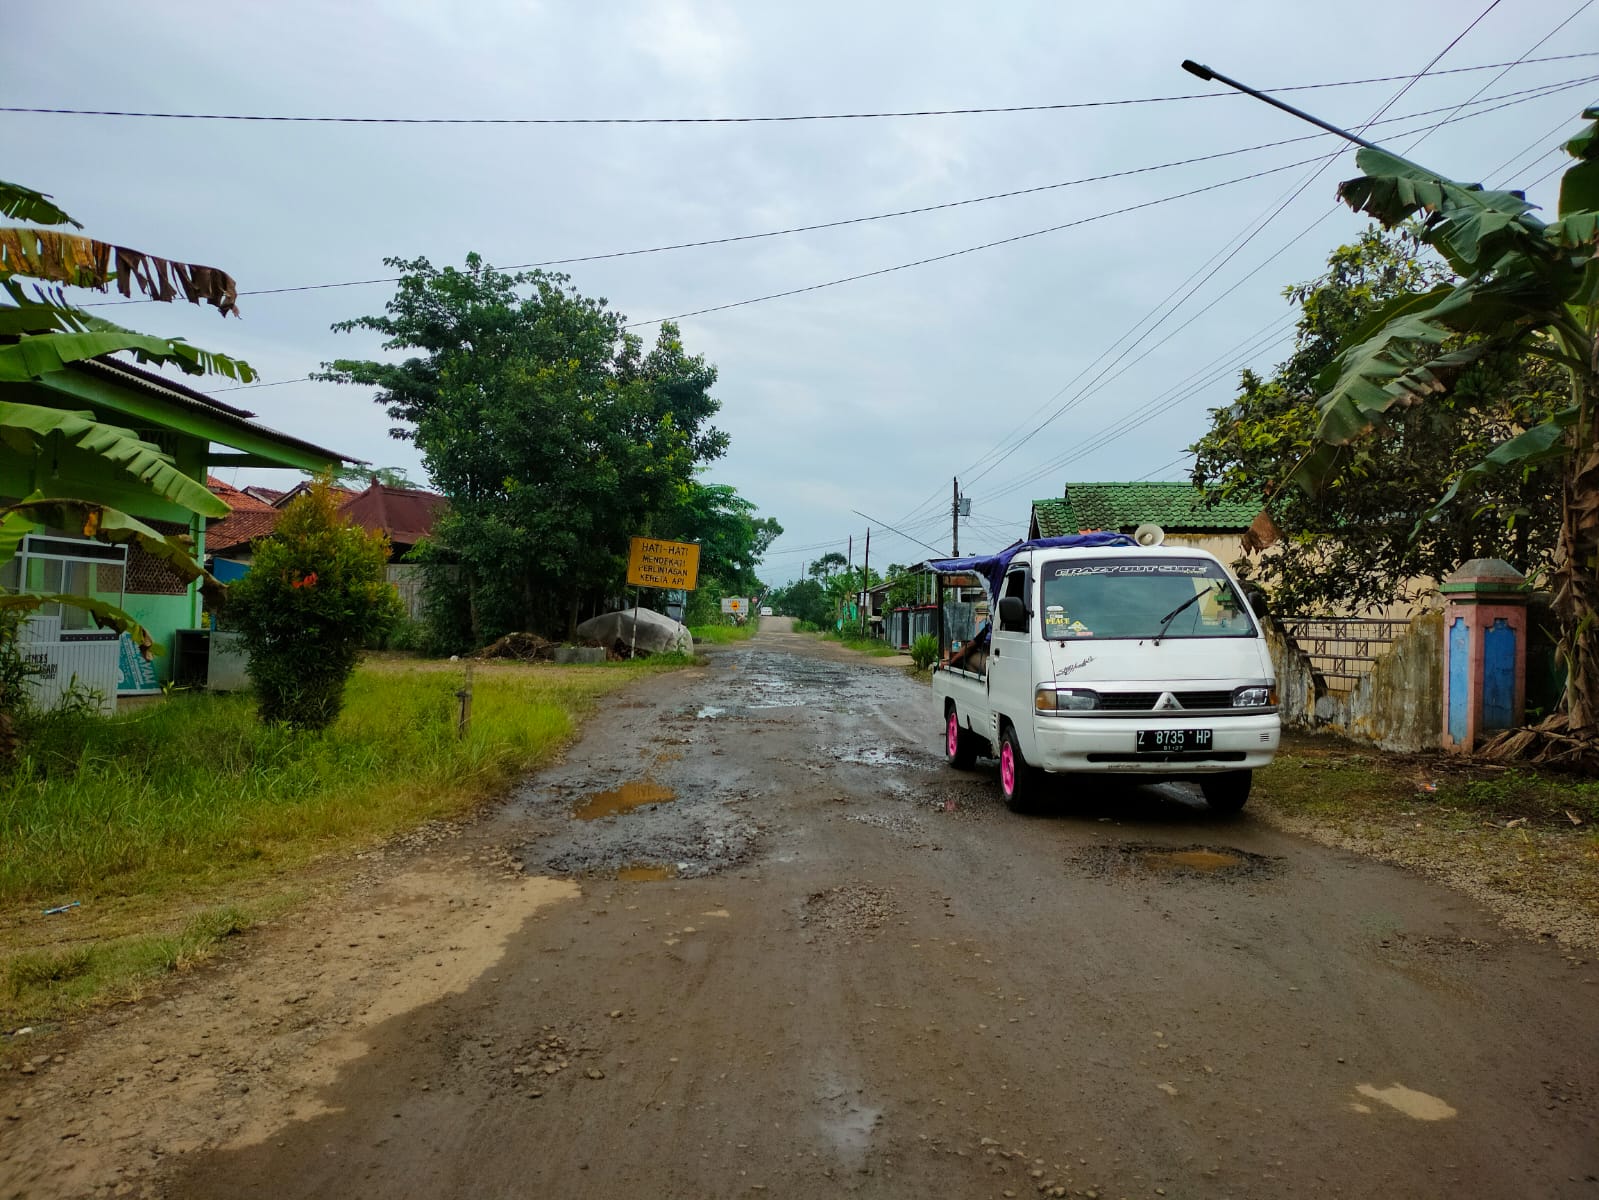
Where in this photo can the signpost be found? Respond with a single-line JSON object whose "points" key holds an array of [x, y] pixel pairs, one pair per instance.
{"points": [[657, 564], [735, 606], [653, 563]]}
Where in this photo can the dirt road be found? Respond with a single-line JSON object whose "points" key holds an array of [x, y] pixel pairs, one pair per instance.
{"points": [[833, 965]]}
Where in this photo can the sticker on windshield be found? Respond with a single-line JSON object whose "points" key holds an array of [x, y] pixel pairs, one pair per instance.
{"points": [[1133, 569], [1058, 623]]}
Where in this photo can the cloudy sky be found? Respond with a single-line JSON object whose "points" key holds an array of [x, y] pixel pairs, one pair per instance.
{"points": [[1090, 352]]}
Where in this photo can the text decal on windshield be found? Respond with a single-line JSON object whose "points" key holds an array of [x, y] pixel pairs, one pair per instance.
{"points": [[1133, 569]]}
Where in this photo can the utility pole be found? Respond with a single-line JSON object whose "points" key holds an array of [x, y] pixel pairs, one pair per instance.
{"points": [[866, 584], [849, 567], [955, 520]]}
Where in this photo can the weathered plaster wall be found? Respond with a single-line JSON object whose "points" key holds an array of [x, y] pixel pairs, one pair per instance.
{"points": [[1296, 683], [1398, 705]]}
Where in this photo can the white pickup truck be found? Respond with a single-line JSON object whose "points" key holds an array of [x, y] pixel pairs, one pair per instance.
{"points": [[1107, 657]]}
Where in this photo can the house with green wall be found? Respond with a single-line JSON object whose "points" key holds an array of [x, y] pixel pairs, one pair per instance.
{"points": [[197, 432]]}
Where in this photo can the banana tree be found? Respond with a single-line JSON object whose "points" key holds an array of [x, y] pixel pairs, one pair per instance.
{"points": [[1525, 287], [41, 331]]}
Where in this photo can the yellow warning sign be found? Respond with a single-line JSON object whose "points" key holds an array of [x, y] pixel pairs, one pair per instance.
{"points": [[657, 564]]}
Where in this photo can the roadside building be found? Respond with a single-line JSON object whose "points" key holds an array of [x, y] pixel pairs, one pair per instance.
{"points": [[194, 432], [1180, 509]]}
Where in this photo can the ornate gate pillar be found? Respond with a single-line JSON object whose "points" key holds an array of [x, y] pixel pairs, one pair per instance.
{"points": [[1485, 651]]}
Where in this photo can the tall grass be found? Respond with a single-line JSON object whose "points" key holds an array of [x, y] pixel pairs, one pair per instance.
{"points": [[195, 789], [721, 635]]}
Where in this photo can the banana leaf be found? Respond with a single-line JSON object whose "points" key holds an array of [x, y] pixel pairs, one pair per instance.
{"points": [[24, 427], [34, 356], [72, 258], [25, 204], [107, 525], [107, 615]]}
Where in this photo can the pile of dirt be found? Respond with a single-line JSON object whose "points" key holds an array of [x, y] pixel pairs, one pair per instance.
{"points": [[522, 647]]}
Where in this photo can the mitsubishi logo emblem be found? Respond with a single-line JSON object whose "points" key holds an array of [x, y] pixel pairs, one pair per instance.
{"points": [[1167, 700]]}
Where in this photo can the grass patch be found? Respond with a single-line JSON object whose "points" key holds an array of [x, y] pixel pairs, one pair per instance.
{"points": [[721, 635], [1320, 776], [42, 984], [192, 803], [852, 640], [195, 788]]}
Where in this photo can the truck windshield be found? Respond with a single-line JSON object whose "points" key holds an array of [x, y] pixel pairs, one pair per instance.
{"points": [[1132, 597]]}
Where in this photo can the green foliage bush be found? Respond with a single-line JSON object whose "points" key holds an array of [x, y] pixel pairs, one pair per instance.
{"points": [[14, 673], [316, 593], [924, 650], [406, 634]]}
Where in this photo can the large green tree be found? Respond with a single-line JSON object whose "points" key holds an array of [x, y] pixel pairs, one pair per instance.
{"points": [[552, 430], [1522, 287], [731, 537], [1355, 544]]}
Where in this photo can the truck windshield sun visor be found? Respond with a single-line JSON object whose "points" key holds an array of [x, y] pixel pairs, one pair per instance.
{"points": [[1141, 598]]}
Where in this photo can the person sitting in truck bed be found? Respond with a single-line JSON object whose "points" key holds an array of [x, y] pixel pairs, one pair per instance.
{"points": [[973, 656]]}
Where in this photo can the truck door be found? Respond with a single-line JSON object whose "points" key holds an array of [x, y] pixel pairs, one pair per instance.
{"points": [[1010, 662]]}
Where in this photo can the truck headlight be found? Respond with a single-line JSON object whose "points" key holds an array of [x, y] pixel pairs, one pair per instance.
{"points": [[1049, 699], [1254, 697]]}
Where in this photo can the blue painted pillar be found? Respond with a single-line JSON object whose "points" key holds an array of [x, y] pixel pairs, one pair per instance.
{"points": [[1485, 644]]}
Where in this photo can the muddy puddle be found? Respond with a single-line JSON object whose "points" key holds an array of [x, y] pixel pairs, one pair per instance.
{"points": [[646, 872], [626, 798], [1174, 862], [873, 756]]}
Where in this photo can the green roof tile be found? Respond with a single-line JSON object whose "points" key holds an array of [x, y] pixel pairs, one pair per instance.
{"points": [[1176, 507]]}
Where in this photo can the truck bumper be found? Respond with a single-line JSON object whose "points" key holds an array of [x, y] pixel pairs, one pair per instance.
{"points": [[1109, 745]]}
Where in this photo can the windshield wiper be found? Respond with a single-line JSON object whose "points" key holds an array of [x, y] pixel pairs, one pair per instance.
{"points": [[1165, 622]]}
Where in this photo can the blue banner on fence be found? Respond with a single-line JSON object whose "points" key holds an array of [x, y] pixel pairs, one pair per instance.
{"points": [[136, 673]]}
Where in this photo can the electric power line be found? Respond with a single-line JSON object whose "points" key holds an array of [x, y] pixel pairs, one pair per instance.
{"points": [[1577, 12], [1209, 272], [283, 118], [1532, 93]]}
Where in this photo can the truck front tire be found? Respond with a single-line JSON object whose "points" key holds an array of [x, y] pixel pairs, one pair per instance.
{"points": [[1018, 782], [1226, 793]]}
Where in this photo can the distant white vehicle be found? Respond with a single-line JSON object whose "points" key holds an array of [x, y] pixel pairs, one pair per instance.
{"points": [[766, 611]]}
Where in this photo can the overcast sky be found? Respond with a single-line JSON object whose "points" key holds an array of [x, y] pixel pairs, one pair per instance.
{"points": [[870, 395]]}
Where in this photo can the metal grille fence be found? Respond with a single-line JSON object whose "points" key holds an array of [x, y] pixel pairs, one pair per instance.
{"points": [[1343, 648]]}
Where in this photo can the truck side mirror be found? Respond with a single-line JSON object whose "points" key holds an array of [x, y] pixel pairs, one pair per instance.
{"points": [[1258, 604], [1012, 614]]}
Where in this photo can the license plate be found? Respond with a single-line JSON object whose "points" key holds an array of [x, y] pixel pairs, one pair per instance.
{"points": [[1172, 741]]}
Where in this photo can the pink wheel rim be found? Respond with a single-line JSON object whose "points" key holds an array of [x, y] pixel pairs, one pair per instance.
{"points": [[1007, 769], [953, 738]]}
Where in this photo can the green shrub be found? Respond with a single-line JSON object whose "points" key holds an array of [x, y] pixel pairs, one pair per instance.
{"points": [[924, 651], [316, 593], [406, 634], [14, 674]]}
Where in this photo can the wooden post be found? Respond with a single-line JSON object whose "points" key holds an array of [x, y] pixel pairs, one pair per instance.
{"points": [[866, 584], [464, 721], [633, 650]]}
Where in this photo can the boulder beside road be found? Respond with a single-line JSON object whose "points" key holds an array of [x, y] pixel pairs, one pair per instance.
{"points": [[655, 632]]}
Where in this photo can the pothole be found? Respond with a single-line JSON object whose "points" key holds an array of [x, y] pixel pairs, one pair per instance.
{"points": [[1174, 862], [629, 796]]}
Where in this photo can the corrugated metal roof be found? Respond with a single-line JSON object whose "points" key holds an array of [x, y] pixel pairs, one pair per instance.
{"points": [[1175, 507], [128, 375]]}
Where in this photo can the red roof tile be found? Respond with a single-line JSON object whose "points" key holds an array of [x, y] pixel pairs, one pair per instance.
{"points": [[251, 518], [407, 515]]}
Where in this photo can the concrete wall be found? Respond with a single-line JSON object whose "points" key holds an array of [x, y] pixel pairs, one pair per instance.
{"points": [[1398, 705]]}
